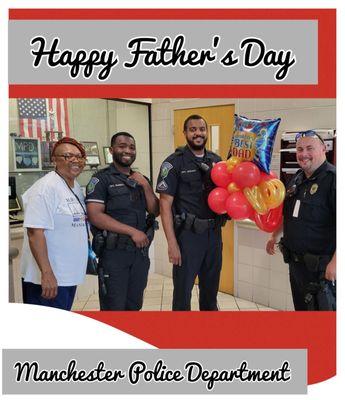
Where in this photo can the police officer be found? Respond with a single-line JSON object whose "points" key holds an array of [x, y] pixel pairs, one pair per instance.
{"points": [[191, 228], [117, 200], [309, 229]]}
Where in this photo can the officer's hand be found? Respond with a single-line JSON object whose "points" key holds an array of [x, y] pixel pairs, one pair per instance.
{"points": [[140, 239], [330, 273], [49, 285], [138, 177], [174, 254], [270, 246]]}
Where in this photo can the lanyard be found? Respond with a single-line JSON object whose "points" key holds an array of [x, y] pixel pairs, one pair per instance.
{"points": [[81, 205]]}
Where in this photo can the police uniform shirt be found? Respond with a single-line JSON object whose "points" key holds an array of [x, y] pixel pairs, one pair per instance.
{"points": [[124, 198], [181, 177], [310, 212]]}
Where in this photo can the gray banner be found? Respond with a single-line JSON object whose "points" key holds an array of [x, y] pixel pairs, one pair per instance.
{"points": [[68, 371], [163, 52]]}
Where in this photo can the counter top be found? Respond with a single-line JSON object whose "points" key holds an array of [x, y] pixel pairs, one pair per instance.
{"points": [[247, 223], [16, 232]]}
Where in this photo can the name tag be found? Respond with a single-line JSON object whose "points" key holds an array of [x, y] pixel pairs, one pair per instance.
{"points": [[296, 209]]}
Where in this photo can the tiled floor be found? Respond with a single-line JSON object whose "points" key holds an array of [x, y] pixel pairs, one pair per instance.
{"points": [[158, 297]]}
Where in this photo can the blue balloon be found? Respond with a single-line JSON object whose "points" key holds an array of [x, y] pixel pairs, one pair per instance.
{"points": [[253, 140]]}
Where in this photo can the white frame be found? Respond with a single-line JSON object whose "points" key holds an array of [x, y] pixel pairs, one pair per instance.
{"points": [[38, 144], [108, 158], [88, 163]]}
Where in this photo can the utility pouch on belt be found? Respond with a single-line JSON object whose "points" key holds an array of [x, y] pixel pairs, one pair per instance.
{"points": [[189, 222], [111, 240], [179, 221], [200, 225]]}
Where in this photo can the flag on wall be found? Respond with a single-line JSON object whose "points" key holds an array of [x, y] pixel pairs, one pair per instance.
{"points": [[38, 116]]}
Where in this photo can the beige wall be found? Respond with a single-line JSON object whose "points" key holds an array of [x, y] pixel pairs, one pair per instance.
{"points": [[296, 114]]}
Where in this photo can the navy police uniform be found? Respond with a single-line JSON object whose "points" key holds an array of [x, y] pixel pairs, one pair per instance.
{"points": [[187, 178], [309, 239], [124, 266]]}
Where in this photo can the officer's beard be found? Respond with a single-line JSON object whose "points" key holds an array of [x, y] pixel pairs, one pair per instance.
{"points": [[194, 146], [117, 158]]}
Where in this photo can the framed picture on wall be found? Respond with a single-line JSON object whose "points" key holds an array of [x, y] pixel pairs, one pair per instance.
{"points": [[92, 153], [46, 154], [108, 158], [27, 154]]}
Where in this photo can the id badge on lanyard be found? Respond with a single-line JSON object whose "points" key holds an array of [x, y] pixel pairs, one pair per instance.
{"points": [[296, 208]]}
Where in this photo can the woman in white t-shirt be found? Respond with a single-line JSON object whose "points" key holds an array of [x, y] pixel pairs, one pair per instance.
{"points": [[55, 249]]}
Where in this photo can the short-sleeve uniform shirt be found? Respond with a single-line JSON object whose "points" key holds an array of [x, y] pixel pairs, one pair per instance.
{"points": [[182, 176], [124, 198], [310, 212]]}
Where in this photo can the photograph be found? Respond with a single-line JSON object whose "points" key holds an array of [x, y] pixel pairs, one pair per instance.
{"points": [[248, 276]]}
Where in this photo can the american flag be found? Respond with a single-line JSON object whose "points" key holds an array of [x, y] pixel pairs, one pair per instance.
{"points": [[38, 116]]}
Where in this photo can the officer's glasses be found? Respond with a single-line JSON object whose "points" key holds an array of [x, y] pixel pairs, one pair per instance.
{"points": [[71, 157], [308, 134]]}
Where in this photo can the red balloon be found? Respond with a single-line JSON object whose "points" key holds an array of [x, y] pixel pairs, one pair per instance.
{"points": [[271, 221], [251, 216], [246, 174], [267, 177], [217, 199], [237, 206], [220, 174]]}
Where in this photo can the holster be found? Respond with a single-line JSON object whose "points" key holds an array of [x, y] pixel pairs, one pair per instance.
{"points": [[98, 243], [151, 226], [285, 251], [320, 296]]}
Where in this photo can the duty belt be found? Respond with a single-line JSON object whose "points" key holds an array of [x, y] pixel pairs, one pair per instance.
{"points": [[311, 261], [191, 222]]}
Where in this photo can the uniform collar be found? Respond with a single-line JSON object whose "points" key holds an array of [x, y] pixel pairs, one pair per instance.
{"points": [[322, 168], [189, 154], [114, 170]]}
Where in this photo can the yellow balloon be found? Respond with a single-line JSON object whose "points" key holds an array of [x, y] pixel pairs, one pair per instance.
{"points": [[273, 192], [232, 162], [254, 196], [232, 187]]}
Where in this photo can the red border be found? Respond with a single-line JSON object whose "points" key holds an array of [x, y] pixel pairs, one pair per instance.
{"points": [[326, 87], [171, 91], [168, 14], [314, 331]]}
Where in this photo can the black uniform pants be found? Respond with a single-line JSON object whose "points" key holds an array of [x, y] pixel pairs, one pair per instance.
{"points": [[300, 278], [201, 256], [125, 278]]}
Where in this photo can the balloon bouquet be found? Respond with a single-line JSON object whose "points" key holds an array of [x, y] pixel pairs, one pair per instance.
{"points": [[245, 186]]}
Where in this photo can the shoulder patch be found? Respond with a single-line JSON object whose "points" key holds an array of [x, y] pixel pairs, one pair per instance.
{"points": [[91, 185], [165, 168], [162, 185]]}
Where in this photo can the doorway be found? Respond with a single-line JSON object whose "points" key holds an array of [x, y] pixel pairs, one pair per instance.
{"points": [[220, 120]]}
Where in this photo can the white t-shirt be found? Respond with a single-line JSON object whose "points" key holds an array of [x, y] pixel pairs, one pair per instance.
{"points": [[50, 205]]}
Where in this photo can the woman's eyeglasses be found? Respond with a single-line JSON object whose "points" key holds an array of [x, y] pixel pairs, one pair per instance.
{"points": [[70, 157], [308, 134]]}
